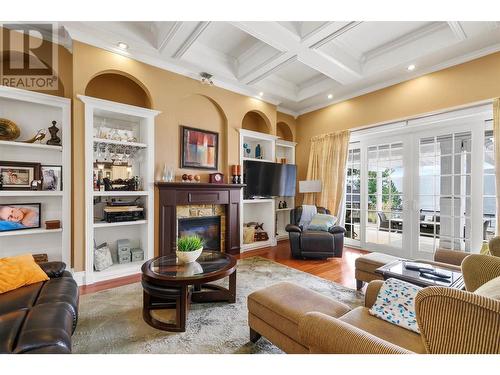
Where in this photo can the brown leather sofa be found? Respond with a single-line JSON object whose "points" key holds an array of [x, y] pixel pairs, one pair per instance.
{"points": [[40, 318], [314, 244], [451, 321]]}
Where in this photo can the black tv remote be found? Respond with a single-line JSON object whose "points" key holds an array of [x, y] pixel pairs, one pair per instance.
{"points": [[438, 274]]}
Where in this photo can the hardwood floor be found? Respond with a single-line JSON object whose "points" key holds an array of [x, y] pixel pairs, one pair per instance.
{"points": [[339, 270]]}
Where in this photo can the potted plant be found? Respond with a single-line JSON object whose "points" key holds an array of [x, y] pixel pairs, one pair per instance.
{"points": [[189, 248]]}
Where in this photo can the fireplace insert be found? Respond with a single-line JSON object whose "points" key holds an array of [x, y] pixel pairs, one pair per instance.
{"points": [[207, 227]]}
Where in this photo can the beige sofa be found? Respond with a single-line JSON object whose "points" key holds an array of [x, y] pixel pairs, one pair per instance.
{"points": [[451, 321]]}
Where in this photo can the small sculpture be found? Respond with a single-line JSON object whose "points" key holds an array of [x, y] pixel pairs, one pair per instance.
{"points": [[54, 139], [39, 136]]}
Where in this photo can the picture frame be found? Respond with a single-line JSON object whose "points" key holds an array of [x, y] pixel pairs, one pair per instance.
{"points": [[51, 176], [15, 175], [20, 216], [199, 148]]}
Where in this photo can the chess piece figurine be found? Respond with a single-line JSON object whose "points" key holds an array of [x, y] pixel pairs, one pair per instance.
{"points": [[54, 139], [39, 136]]}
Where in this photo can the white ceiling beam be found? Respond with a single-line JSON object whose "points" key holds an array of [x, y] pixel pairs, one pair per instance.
{"points": [[457, 30], [165, 34], [190, 40], [282, 39], [267, 68], [327, 33]]}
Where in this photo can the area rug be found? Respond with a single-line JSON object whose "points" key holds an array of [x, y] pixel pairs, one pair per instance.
{"points": [[110, 321]]}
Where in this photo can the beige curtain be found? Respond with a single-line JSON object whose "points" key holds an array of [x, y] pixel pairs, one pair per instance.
{"points": [[496, 135], [327, 163]]}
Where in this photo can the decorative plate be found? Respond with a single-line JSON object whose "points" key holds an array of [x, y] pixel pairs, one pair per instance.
{"points": [[8, 130]]}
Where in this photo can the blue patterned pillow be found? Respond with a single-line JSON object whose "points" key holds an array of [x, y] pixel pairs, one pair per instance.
{"points": [[396, 304], [322, 222]]}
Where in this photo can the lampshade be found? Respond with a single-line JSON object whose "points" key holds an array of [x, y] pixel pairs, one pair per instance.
{"points": [[310, 186]]}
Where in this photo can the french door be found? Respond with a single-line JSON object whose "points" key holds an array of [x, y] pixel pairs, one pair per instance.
{"points": [[418, 186]]}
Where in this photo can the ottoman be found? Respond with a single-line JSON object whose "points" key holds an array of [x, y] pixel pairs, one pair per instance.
{"points": [[274, 312], [366, 265]]}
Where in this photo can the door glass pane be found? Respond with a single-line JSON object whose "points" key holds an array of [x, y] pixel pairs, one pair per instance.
{"points": [[384, 219], [444, 212], [353, 194], [489, 189]]}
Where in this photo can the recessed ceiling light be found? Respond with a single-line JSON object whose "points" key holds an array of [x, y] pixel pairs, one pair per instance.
{"points": [[330, 96], [261, 93], [122, 45], [411, 67]]}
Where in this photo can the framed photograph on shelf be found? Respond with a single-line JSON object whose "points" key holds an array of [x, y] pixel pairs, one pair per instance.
{"points": [[19, 216], [51, 177], [15, 175], [199, 148]]}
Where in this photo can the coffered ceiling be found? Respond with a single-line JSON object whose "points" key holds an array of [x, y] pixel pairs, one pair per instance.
{"points": [[299, 66]]}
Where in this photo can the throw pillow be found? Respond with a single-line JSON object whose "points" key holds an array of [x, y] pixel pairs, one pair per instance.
{"points": [[396, 304], [19, 271], [102, 257], [491, 289], [322, 222]]}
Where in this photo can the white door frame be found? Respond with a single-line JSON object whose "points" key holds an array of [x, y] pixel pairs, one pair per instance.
{"points": [[409, 132]]}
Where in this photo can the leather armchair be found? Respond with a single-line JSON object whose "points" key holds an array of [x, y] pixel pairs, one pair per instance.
{"points": [[314, 244]]}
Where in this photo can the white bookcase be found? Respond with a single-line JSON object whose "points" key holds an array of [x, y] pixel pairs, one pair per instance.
{"points": [[140, 121], [33, 111], [265, 211], [284, 150]]}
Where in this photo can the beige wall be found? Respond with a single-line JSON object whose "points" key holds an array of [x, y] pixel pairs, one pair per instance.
{"points": [[181, 100], [466, 83]]}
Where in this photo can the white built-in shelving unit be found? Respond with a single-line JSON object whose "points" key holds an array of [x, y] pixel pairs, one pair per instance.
{"points": [[266, 211], [32, 111], [140, 232]]}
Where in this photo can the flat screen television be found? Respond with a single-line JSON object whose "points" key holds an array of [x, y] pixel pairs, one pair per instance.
{"points": [[265, 180]]}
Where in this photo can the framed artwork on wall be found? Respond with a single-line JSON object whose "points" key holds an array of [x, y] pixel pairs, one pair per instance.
{"points": [[18, 216], [199, 148], [15, 175]]}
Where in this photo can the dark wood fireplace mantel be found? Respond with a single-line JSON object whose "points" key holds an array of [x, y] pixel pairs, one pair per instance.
{"points": [[173, 194]]}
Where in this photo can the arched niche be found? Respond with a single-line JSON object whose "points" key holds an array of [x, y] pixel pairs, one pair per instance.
{"points": [[119, 87], [16, 58], [283, 131], [195, 111], [256, 121]]}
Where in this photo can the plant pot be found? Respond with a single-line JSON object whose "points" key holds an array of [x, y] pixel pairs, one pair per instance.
{"points": [[188, 256]]}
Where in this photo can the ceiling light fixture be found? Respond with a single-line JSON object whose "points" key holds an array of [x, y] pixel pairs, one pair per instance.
{"points": [[411, 67], [330, 96], [206, 78], [122, 45], [261, 93]]}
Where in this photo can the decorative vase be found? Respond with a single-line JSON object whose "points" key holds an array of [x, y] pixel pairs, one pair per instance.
{"points": [[258, 152], [164, 175], [188, 256]]}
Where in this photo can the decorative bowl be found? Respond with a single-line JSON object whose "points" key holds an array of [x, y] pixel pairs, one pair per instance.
{"points": [[188, 256]]}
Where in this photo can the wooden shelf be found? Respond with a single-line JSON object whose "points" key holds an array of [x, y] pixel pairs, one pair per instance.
{"points": [[256, 245], [118, 270], [120, 143], [26, 232], [30, 193], [284, 209], [257, 201], [31, 145], [120, 193], [123, 223]]}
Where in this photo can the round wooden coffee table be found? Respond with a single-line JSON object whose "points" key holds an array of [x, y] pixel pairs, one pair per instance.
{"points": [[169, 284]]}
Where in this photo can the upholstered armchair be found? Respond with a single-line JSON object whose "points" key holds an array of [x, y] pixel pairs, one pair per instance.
{"points": [[451, 321], [314, 244]]}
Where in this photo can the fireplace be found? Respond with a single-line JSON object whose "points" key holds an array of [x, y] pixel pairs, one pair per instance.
{"points": [[198, 200], [208, 228]]}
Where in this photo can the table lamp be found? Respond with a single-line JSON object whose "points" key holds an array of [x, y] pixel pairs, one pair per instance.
{"points": [[310, 186]]}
